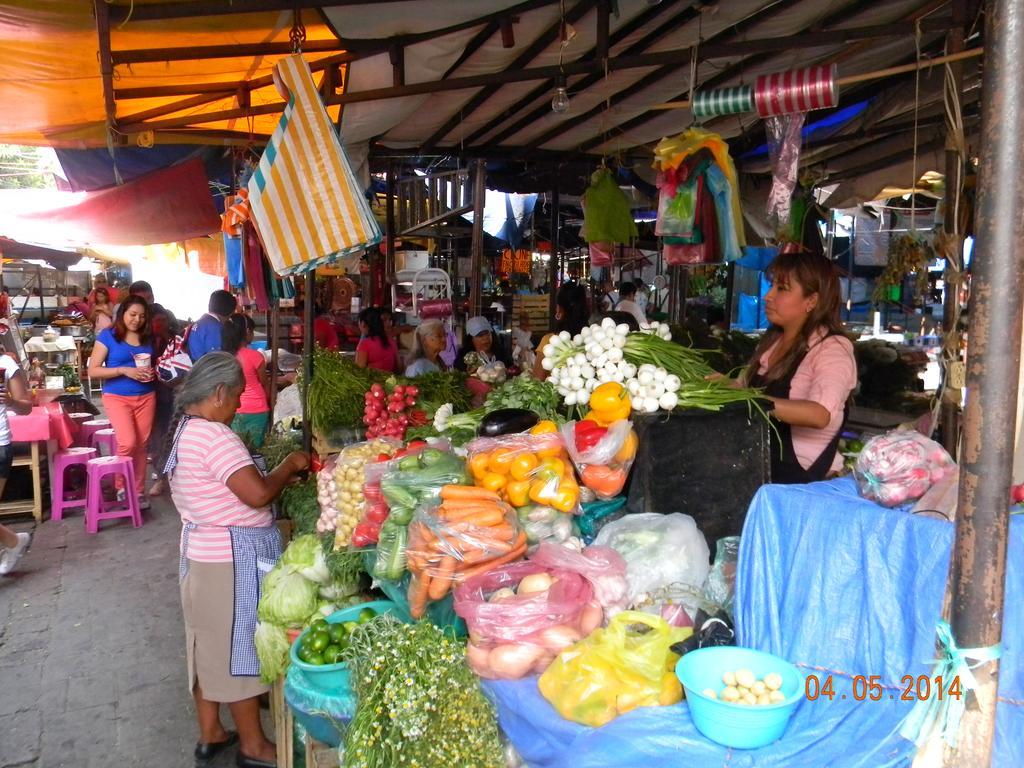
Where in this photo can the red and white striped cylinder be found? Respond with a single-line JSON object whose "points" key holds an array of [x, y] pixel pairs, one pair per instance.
{"points": [[799, 90]]}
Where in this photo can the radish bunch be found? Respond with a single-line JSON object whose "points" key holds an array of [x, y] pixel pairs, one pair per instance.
{"points": [[389, 415]]}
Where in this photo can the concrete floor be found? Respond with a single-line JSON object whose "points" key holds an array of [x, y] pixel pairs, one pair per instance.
{"points": [[92, 652]]}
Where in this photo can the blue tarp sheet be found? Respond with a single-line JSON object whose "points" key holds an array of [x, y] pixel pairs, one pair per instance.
{"points": [[827, 580]]}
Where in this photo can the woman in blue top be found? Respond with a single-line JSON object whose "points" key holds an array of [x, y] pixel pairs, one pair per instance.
{"points": [[123, 359]]}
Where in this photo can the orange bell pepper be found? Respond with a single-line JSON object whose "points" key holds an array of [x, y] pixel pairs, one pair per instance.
{"points": [[478, 464], [492, 481], [628, 450], [545, 427], [604, 481]]}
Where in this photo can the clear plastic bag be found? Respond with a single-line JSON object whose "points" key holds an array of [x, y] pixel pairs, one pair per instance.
{"points": [[602, 455], [524, 604], [340, 487], [526, 469], [615, 670], [900, 467], [447, 546], [659, 550], [603, 567], [720, 586]]}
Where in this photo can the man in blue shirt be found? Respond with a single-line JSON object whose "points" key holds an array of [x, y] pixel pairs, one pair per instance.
{"points": [[206, 333]]}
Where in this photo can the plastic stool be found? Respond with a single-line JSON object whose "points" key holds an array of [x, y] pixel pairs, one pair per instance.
{"points": [[88, 428], [96, 509], [61, 461], [101, 438]]}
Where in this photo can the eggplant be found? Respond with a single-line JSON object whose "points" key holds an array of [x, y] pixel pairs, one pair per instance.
{"points": [[507, 421]]}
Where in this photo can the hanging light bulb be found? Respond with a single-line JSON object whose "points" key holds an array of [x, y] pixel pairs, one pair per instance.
{"points": [[560, 101]]}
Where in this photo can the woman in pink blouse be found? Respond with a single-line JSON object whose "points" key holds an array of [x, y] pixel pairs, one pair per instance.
{"points": [[376, 349], [805, 364], [228, 542]]}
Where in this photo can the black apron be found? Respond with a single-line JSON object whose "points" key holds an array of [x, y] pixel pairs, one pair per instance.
{"points": [[786, 468]]}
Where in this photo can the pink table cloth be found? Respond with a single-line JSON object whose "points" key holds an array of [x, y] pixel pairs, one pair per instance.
{"points": [[46, 422]]}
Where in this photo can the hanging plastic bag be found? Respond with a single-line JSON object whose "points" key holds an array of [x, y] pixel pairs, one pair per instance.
{"points": [[602, 455], [603, 567], [602, 254], [521, 615], [899, 467], [720, 586], [627, 665], [659, 550], [607, 215]]}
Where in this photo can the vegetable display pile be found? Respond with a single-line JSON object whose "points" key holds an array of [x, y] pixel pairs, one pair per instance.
{"points": [[419, 705], [498, 414], [526, 469], [335, 394], [300, 505], [340, 488]]}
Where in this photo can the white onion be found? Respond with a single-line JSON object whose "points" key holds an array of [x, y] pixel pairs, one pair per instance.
{"points": [[547, 364], [650, 405], [591, 384], [608, 324], [576, 383], [565, 336], [660, 374], [622, 329], [615, 354], [645, 377], [633, 386], [587, 371], [617, 376], [570, 398], [672, 383]]}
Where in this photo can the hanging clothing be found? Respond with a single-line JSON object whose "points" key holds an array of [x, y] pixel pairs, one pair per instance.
{"points": [[233, 256]]}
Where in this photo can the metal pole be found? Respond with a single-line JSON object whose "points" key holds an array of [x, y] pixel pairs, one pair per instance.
{"points": [[982, 521], [477, 253], [556, 202], [274, 338], [307, 355], [950, 410], [389, 247]]}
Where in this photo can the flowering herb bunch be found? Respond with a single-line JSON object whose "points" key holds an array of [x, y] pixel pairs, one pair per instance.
{"points": [[418, 703]]}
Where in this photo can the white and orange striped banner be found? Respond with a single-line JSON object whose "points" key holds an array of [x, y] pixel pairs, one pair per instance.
{"points": [[306, 203]]}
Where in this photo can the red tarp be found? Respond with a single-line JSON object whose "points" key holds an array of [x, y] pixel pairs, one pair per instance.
{"points": [[165, 206]]}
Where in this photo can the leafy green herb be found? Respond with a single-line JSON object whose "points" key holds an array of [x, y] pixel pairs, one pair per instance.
{"points": [[335, 394], [524, 391], [299, 504], [419, 705]]}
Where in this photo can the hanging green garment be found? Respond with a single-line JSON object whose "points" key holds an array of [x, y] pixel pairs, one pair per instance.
{"points": [[607, 216]]}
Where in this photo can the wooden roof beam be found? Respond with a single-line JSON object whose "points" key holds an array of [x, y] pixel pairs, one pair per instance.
{"points": [[101, 10], [191, 53], [531, 52], [638, 22]]}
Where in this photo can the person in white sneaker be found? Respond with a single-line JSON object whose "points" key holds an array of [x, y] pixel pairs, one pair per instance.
{"points": [[16, 397], [15, 545]]}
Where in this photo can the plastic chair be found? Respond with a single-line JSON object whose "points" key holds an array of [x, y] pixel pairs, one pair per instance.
{"points": [[101, 438], [61, 461], [88, 428], [96, 509]]}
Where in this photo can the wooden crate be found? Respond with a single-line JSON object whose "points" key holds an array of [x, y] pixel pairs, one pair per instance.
{"points": [[284, 726], [319, 755], [537, 308]]}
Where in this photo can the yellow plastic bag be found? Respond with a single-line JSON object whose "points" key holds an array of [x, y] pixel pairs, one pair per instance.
{"points": [[613, 670]]}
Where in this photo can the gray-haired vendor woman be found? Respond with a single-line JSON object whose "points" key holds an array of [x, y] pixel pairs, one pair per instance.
{"points": [[228, 543]]}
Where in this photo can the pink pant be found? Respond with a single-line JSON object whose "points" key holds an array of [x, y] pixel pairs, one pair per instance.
{"points": [[132, 416]]}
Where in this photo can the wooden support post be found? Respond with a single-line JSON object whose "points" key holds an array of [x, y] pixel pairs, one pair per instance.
{"points": [[397, 55], [477, 253], [993, 368], [601, 46], [102, 11], [274, 339], [308, 341]]}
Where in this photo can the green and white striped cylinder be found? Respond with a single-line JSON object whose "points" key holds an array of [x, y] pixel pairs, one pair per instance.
{"points": [[723, 101]]}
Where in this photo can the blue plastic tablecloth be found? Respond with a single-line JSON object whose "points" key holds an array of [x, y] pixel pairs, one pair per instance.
{"points": [[827, 580]]}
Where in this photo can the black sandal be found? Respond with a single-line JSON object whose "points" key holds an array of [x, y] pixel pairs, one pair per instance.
{"points": [[253, 762], [206, 752]]}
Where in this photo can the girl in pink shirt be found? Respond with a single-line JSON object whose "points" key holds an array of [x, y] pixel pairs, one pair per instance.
{"points": [[253, 417], [375, 349], [805, 365]]}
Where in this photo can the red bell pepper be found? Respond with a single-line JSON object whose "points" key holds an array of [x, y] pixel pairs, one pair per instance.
{"points": [[588, 434]]}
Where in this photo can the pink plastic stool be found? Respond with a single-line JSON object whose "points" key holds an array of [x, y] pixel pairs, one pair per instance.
{"points": [[96, 509], [88, 428], [78, 419], [104, 437], [64, 459]]}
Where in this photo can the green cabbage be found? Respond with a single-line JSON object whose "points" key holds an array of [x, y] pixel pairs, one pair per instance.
{"points": [[306, 555], [287, 597], [272, 647]]}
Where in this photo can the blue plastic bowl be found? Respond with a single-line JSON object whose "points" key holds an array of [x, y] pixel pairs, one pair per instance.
{"points": [[333, 677], [737, 725]]}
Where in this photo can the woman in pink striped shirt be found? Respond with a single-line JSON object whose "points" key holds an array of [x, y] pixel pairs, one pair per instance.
{"points": [[805, 365], [228, 543]]}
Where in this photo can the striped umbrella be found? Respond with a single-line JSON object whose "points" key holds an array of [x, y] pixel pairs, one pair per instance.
{"points": [[306, 204]]}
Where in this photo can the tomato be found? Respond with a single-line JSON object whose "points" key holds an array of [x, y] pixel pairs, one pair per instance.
{"points": [[501, 460], [628, 450], [492, 481], [518, 492], [604, 481], [478, 464], [523, 465]]}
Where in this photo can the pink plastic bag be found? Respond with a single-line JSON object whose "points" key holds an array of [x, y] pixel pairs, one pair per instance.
{"points": [[899, 467], [603, 567], [512, 635]]}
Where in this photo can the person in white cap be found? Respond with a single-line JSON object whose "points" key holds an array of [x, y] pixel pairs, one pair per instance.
{"points": [[480, 339]]}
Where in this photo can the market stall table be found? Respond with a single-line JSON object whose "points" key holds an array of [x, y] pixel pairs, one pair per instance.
{"points": [[838, 585], [45, 429]]}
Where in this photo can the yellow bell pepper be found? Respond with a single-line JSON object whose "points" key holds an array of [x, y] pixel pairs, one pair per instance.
{"points": [[478, 464], [609, 402], [545, 427], [564, 499], [492, 481], [523, 465]]}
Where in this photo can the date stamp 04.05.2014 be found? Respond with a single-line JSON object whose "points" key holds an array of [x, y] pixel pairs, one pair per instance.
{"points": [[870, 688]]}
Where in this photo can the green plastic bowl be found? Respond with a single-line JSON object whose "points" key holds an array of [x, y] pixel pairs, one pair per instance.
{"points": [[334, 677]]}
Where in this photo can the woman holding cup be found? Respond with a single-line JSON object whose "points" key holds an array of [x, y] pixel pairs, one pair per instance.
{"points": [[123, 359]]}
